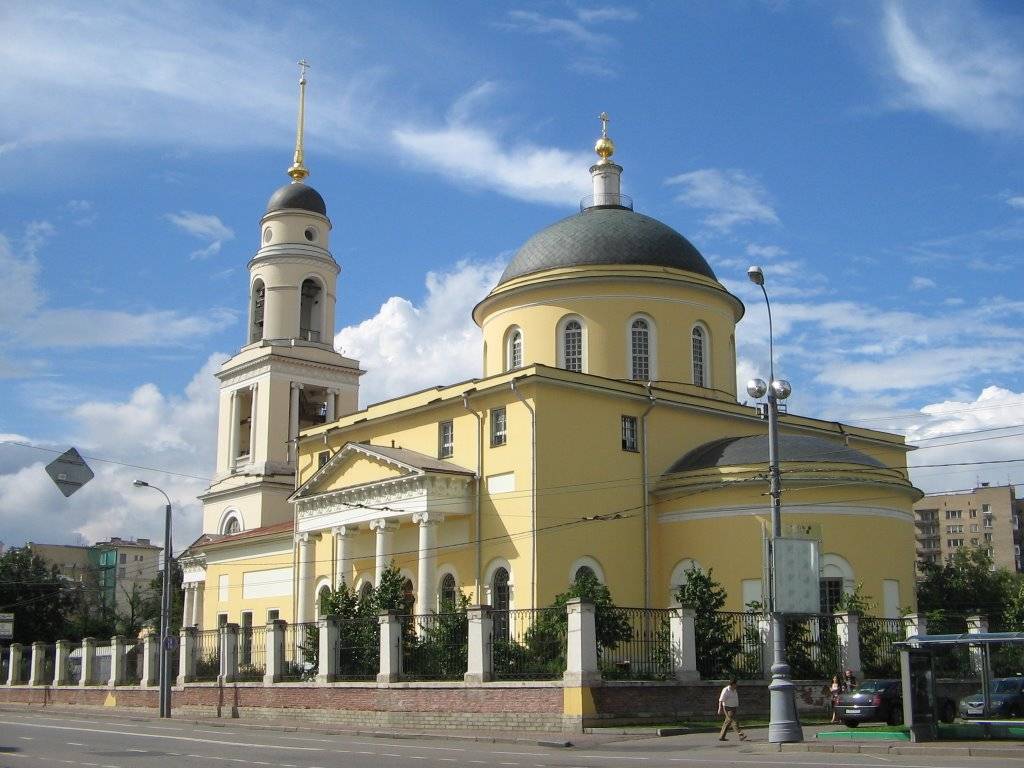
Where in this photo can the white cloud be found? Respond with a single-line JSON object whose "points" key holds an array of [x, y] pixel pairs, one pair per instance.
{"points": [[21, 286], [406, 347], [172, 432], [587, 33], [732, 196], [765, 251], [957, 64], [920, 283], [1017, 201], [204, 226]]}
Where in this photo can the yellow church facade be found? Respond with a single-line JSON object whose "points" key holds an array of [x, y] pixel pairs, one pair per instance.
{"points": [[604, 433]]}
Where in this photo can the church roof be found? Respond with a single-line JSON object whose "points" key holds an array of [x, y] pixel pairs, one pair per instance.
{"points": [[739, 451], [253, 533], [297, 196], [606, 235]]}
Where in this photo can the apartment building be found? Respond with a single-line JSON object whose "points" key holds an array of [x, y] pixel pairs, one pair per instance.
{"points": [[988, 517]]}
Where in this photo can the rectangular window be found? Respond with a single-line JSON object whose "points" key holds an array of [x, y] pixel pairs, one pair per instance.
{"points": [[988, 538], [499, 427], [986, 509], [122, 559], [974, 513], [974, 527], [273, 615], [830, 592], [974, 542], [988, 521], [629, 433], [222, 619], [122, 572], [445, 440], [322, 458]]}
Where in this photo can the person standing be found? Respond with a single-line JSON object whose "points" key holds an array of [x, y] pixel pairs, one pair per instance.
{"points": [[728, 703], [835, 690]]}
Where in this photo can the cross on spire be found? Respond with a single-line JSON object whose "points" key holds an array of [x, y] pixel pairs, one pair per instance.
{"points": [[298, 170], [603, 117], [303, 66]]}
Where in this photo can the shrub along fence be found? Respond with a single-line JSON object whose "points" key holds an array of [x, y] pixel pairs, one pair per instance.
{"points": [[577, 643]]}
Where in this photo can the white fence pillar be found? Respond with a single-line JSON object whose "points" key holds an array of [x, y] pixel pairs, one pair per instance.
{"points": [[118, 651], [275, 651], [480, 664], [150, 660], [915, 624], [35, 670], [14, 664], [228, 639], [977, 625], [683, 637], [848, 632], [327, 657], [61, 654], [187, 655], [88, 661], [581, 668], [390, 647]]}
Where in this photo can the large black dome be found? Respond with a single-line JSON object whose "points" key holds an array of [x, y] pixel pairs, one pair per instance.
{"points": [[297, 195], [606, 236], [740, 451]]}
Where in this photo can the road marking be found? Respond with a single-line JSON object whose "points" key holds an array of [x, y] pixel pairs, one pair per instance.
{"points": [[218, 732], [521, 754], [26, 738], [139, 734], [75, 744], [304, 738], [405, 746]]}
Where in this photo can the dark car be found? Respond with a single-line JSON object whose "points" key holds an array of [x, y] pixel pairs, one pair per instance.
{"points": [[1007, 699], [872, 700]]}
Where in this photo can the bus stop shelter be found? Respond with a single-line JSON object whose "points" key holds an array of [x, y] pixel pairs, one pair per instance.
{"points": [[922, 705]]}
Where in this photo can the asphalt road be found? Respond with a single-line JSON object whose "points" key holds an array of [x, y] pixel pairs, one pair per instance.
{"points": [[53, 740]]}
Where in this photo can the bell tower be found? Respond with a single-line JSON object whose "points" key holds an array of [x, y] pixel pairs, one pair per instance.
{"points": [[287, 376]]}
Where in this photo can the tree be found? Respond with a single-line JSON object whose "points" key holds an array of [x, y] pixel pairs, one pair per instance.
{"points": [[963, 585], [38, 596], [717, 643], [149, 607]]}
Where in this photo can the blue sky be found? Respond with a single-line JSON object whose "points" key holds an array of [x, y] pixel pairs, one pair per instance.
{"points": [[868, 155]]}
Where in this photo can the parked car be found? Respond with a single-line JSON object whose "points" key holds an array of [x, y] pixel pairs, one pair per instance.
{"points": [[1007, 699], [872, 700]]}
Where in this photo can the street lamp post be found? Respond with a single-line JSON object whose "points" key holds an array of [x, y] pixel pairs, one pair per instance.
{"points": [[784, 723], [165, 606]]}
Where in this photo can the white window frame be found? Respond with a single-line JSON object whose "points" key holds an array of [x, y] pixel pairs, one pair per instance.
{"points": [[510, 348], [226, 517], [441, 444], [705, 337], [652, 348], [495, 433], [636, 432], [589, 562], [560, 340]]}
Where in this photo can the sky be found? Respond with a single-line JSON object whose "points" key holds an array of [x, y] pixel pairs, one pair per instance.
{"points": [[868, 155]]}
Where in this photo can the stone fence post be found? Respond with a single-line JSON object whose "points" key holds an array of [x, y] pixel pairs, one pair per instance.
{"points": [[848, 632], [915, 624], [14, 664], [187, 656], [228, 639], [480, 663], [327, 656], [150, 660], [977, 625], [766, 635], [118, 651], [390, 647], [35, 669], [275, 651], [683, 638], [88, 661], [60, 662], [581, 668]]}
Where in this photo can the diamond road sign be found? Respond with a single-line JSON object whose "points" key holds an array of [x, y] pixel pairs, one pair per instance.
{"points": [[69, 471]]}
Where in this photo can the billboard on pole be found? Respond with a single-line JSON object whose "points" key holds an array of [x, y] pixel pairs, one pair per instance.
{"points": [[796, 575]]}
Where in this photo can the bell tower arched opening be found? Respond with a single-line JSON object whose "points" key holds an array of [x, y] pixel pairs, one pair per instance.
{"points": [[311, 310], [257, 307]]}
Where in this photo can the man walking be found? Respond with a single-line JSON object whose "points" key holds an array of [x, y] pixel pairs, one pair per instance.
{"points": [[728, 703]]}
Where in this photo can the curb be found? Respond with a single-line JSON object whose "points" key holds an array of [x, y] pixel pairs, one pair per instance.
{"points": [[1006, 753]]}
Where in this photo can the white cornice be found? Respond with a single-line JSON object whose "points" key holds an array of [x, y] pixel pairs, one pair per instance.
{"points": [[811, 510], [340, 373]]}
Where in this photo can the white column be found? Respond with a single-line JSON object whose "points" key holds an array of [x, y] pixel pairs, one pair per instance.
{"points": [[14, 664], [252, 423], [35, 673], [118, 650], [683, 637], [848, 633], [150, 659], [302, 613], [199, 589], [976, 625], [384, 551], [235, 430], [343, 535], [293, 423], [581, 645], [332, 396], [915, 624], [390, 647], [60, 662], [190, 596], [426, 573], [479, 661]]}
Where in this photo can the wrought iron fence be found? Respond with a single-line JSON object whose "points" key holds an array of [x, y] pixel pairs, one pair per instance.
{"points": [[252, 653], [206, 655], [812, 647], [528, 643], [300, 652], [72, 672], [878, 656], [730, 643], [435, 646], [173, 662], [634, 643], [357, 651], [134, 658], [25, 665], [49, 664]]}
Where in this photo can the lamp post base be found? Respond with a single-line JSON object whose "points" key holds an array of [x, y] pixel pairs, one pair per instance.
{"points": [[784, 725]]}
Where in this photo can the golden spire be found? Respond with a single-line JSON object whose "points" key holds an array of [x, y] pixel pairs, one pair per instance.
{"points": [[604, 147], [298, 171]]}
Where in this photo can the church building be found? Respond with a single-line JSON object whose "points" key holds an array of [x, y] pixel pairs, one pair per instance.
{"points": [[604, 433]]}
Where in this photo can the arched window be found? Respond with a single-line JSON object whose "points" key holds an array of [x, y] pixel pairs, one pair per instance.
{"points": [[500, 601], [310, 310], [232, 526], [700, 368], [322, 596], [258, 303], [584, 572], [408, 596], [572, 346], [514, 353], [640, 350], [447, 593]]}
